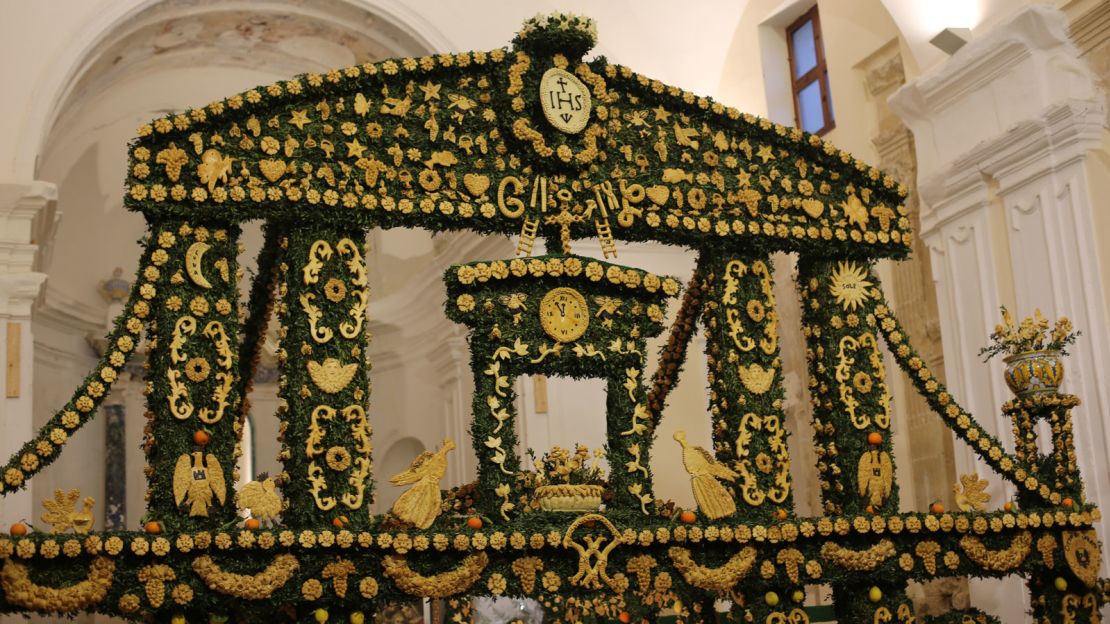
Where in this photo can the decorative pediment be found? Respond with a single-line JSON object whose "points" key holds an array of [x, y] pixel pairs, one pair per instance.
{"points": [[491, 140]]}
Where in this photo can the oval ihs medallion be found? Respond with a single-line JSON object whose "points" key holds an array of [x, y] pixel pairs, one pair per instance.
{"points": [[565, 100]]}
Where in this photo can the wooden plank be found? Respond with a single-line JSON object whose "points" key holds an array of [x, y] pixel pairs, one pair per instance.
{"points": [[14, 336], [539, 390]]}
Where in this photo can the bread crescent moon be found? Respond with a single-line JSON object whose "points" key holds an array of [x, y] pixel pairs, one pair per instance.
{"points": [[193, 258]]}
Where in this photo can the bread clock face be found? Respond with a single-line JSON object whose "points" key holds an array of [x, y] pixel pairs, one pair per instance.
{"points": [[564, 314]]}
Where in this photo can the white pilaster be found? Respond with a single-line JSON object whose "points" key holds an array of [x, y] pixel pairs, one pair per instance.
{"points": [[19, 288], [451, 363], [1011, 147]]}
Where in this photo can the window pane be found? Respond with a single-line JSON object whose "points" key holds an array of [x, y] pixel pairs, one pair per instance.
{"points": [[809, 107], [805, 49]]}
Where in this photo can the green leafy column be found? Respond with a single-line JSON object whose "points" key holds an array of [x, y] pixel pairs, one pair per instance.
{"points": [[630, 433], [493, 428], [324, 386], [851, 422], [749, 424], [190, 296]]}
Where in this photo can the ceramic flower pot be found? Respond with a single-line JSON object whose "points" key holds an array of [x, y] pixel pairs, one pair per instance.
{"points": [[565, 497], [1033, 373]]}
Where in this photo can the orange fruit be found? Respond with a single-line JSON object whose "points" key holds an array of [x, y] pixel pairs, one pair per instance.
{"points": [[780, 514], [339, 522], [625, 617], [1008, 506], [1067, 502], [688, 517], [875, 438], [936, 508], [153, 527], [869, 509], [201, 437], [18, 529], [474, 522], [252, 523]]}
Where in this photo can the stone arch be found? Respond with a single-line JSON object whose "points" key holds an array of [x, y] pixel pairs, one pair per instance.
{"points": [[395, 459], [270, 39], [403, 32]]}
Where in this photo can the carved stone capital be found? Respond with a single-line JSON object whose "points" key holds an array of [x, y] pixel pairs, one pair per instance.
{"points": [[1013, 74], [26, 209], [18, 292], [885, 76]]}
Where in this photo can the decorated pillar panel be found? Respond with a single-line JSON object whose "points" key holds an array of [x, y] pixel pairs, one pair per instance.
{"points": [[326, 446], [1058, 593], [852, 425], [745, 381], [877, 602], [851, 401], [192, 432], [569, 316], [1064, 585]]}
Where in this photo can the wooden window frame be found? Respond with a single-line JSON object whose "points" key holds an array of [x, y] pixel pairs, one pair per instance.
{"points": [[819, 73]]}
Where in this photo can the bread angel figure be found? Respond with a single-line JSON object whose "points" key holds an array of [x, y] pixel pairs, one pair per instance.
{"points": [[420, 504]]}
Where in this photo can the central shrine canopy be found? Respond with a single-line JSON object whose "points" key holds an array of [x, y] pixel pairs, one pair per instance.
{"points": [[531, 141]]}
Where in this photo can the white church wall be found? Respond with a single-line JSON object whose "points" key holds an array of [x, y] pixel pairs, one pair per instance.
{"points": [[1008, 133]]}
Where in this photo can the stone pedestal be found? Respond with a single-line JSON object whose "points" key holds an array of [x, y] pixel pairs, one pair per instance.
{"points": [[1011, 147]]}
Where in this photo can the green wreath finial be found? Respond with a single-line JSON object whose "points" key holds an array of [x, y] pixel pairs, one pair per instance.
{"points": [[565, 32]]}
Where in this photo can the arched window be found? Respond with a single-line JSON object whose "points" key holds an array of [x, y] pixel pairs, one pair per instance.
{"points": [[809, 76]]}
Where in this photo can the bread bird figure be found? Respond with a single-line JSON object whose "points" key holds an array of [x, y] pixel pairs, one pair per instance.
{"points": [[855, 211], [420, 504], [875, 477], [714, 500], [196, 479], [61, 515], [83, 520], [260, 498], [972, 496]]}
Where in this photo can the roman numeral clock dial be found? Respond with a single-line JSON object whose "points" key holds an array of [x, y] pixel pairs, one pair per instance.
{"points": [[564, 314]]}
